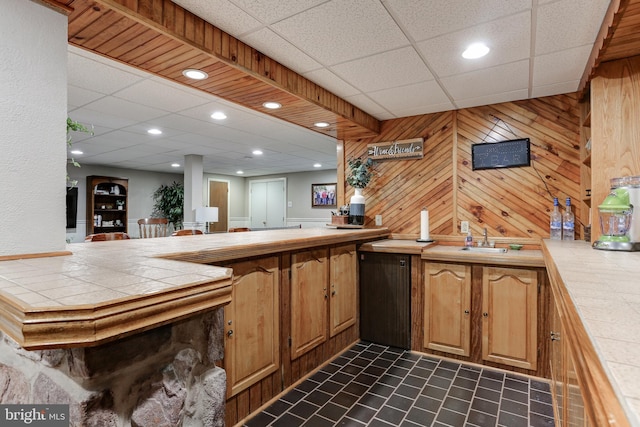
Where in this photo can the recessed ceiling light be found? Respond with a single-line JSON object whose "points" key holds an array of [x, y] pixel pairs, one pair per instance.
{"points": [[239, 172], [154, 131], [195, 74], [257, 152], [317, 165], [175, 165], [218, 115], [321, 124], [475, 50], [272, 105], [76, 152]]}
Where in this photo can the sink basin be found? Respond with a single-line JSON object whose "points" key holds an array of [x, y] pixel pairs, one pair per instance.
{"points": [[484, 250]]}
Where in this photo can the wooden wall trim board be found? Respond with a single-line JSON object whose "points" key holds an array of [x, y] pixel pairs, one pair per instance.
{"points": [[615, 130], [511, 202], [610, 22]]}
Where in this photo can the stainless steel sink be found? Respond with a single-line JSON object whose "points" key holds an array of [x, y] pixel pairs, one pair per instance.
{"points": [[485, 250]]}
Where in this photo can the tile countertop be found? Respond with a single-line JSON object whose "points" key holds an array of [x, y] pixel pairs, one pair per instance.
{"points": [[604, 287], [105, 290]]}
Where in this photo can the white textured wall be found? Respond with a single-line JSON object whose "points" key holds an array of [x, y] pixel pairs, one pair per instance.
{"points": [[33, 111]]}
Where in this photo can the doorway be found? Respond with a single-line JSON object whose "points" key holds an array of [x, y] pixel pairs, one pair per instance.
{"points": [[267, 203], [219, 197]]}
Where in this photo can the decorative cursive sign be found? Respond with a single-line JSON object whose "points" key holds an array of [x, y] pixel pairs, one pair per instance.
{"points": [[405, 149]]}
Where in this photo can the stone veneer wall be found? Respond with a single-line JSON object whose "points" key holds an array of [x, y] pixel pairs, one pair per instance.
{"points": [[165, 377]]}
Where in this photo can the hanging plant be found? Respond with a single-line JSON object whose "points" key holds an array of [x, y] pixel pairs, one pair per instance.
{"points": [[169, 203], [73, 126], [360, 172]]}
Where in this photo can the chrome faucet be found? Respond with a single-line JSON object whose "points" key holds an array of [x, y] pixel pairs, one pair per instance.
{"points": [[485, 242]]}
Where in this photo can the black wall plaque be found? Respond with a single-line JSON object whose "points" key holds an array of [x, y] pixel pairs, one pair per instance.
{"points": [[505, 154]]}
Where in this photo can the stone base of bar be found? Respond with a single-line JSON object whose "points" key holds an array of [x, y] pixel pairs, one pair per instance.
{"points": [[163, 377]]}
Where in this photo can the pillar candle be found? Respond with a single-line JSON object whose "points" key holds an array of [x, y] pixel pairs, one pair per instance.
{"points": [[424, 224]]}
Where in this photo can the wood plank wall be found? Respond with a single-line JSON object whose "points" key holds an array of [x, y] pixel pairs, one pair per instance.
{"points": [[511, 202]]}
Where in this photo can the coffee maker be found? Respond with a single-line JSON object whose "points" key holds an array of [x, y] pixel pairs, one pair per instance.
{"points": [[619, 216]]}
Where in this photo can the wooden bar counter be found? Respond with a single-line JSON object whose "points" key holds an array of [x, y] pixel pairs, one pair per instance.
{"points": [[105, 291], [597, 297]]}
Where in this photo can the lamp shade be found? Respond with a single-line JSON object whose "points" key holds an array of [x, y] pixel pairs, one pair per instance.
{"points": [[206, 214]]}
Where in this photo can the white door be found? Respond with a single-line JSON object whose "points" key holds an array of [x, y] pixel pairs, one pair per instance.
{"points": [[267, 203]]}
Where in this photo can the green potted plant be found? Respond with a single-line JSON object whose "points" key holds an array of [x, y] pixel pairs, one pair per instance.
{"points": [[360, 174], [169, 203]]}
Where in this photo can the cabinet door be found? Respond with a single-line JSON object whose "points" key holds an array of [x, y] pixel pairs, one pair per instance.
{"points": [[342, 304], [251, 319], [309, 295], [509, 316], [447, 306]]}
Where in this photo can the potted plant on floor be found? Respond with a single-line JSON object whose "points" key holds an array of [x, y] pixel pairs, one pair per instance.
{"points": [[169, 203]]}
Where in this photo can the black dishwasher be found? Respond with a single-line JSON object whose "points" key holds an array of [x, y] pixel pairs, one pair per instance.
{"points": [[385, 299]]}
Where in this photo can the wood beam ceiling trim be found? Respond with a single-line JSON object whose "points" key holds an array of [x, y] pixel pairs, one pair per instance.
{"points": [[160, 37], [609, 24]]}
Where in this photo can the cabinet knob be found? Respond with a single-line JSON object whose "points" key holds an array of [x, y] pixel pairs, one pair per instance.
{"points": [[230, 333], [333, 293], [466, 312], [485, 314]]}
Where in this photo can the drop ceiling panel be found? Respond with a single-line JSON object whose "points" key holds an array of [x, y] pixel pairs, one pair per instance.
{"points": [[272, 45], [330, 81], [508, 39], [418, 95], [425, 19], [480, 83], [161, 96], [339, 31], [559, 67], [223, 14], [568, 23], [493, 98], [392, 68]]}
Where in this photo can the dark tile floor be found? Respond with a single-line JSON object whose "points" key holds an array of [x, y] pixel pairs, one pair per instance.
{"points": [[379, 386]]}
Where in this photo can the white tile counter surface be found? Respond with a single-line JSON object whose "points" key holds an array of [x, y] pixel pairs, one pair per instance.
{"points": [[605, 289], [103, 290]]}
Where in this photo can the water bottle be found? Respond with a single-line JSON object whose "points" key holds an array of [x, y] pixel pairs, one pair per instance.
{"points": [[568, 222], [555, 223]]}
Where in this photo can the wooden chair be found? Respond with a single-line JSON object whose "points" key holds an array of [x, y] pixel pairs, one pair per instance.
{"points": [[153, 227], [103, 237], [239, 229], [186, 232]]}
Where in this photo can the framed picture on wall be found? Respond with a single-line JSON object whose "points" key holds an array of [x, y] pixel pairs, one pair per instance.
{"points": [[323, 195]]}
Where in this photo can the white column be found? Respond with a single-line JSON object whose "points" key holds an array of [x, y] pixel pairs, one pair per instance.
{"points": [[33, 107], [193, 175]]}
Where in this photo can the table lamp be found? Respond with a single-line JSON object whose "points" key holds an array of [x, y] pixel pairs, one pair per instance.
{"points": [[206, 214]]}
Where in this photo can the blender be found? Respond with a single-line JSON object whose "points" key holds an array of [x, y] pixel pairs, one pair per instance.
{"points": [[616, 216]]}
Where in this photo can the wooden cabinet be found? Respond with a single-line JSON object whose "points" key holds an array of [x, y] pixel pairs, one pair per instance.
{"points": [[509, 316], [343, 304], [323, 296], [252, 318], [309, 299], [107, 204], [385, 299], [556, 364], [447, 308], [500, 315], [568, 402]]}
